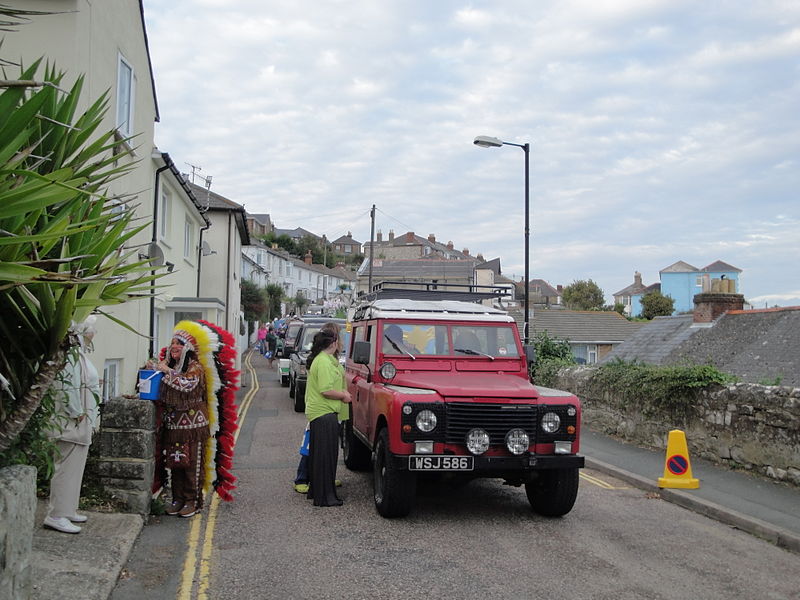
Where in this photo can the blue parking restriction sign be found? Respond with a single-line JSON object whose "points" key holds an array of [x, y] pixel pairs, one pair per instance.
{"points": [[677, 464]]}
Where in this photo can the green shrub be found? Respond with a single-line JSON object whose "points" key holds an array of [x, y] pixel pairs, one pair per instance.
{"points": [[659, 389]]}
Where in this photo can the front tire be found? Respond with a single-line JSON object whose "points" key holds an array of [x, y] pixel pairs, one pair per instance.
{"points": [[356, 454], [554, 492], [394, 490]]}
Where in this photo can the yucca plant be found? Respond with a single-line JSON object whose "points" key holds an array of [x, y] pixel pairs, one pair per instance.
{"points": [[62, 243]]}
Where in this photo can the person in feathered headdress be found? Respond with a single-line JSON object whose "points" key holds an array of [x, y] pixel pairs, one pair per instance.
{"points": [[195, 447], [184, 393]]}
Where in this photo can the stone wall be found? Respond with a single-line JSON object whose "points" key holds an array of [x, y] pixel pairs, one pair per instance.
{"points": [[17, 512], [745, 425], [124, 451]]}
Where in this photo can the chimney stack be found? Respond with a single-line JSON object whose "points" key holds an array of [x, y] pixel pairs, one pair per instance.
{"points": [[431, 238], [391, 235], [711, 305], [450, 245], [480, 257], [465, 251], [379, 236], [637, 278], [308, 258], [559, 288]]}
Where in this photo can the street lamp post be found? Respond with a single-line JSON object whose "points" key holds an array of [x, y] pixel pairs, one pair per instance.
{"points": [[485, 141]]}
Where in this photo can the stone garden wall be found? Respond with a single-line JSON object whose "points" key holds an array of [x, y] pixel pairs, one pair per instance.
{"points": [[745, 425], [17, 512]]}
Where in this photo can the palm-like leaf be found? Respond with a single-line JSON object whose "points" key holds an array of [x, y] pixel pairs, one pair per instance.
{"points": [[61, 237]]}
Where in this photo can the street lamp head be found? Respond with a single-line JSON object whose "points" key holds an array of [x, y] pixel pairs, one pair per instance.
{"points": [[486, 141]]}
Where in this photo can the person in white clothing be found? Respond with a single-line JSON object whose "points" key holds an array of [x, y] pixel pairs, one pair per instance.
{"points": [[76, 394]]}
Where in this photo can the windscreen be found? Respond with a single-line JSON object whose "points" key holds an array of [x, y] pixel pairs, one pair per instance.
{"points": [[424, 339]]}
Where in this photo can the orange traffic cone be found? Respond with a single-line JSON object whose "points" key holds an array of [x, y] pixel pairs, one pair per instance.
{"points": [[677, 467]]}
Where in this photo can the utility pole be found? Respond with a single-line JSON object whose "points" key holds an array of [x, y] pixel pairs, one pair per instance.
{"points": [[371, 246]]}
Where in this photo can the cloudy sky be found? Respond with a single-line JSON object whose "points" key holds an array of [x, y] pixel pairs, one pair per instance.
{"points": [[659, 130]]}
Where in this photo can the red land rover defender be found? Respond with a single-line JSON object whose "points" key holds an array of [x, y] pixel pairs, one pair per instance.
{"points": [[441, 387]]}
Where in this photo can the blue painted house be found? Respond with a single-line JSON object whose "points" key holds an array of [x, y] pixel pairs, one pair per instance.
{"points": [[681, 281]]}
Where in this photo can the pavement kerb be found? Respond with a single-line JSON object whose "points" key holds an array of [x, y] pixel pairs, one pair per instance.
{"points": [[771, 533]]}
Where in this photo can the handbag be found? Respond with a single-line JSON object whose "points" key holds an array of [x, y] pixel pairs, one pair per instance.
{"points": [[177, 456]]}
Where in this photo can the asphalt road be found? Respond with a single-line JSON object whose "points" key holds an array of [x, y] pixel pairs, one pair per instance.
{"points": [[478, 541]]}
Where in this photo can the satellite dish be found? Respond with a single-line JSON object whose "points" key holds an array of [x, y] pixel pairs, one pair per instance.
{"points": [[154, 254], [206, 249]]}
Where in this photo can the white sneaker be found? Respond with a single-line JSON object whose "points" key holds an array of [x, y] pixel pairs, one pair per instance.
{"points": [[61, 524], [76, 518]]}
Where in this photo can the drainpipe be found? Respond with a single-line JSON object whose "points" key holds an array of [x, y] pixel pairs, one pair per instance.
{"points": [[228, 277], [153, 272], [200, 256]]}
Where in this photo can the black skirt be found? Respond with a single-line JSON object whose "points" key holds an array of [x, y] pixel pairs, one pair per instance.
{"points": [[322, 460]]}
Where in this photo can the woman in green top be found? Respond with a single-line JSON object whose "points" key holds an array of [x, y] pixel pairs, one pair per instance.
{"points": [[325, 398]]}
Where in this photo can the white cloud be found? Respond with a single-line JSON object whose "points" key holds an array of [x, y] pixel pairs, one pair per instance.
{"points": [[659, 131]]}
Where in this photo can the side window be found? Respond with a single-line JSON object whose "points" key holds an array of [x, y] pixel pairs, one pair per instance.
{"points": [[126, 81], [371, 338]]}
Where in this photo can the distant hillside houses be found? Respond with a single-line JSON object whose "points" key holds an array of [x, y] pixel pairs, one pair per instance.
{"points": [[680, 281]]}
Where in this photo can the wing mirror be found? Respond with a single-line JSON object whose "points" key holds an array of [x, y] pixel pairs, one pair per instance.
{"points": [[361, 353]]}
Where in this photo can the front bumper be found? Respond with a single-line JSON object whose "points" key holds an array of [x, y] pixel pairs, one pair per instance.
{"points": [[500, 466]]}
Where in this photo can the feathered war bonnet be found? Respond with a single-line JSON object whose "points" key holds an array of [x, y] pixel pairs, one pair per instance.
{"points": [[216, 352]]}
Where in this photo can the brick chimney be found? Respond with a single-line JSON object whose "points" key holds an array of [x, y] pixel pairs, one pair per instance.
{"points": [[637, 278], [307, 258], [449, 245], [410, 237], [480, 257], [431, 238], [708, 306], [465, 251], [559, 289], [379, 236], [391, 235]]}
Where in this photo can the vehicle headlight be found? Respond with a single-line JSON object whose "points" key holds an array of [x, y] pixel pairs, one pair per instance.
{"points": [[551, 422], [477, 441], [387, 370], [571, 411], [517, 441], [426, 421]]}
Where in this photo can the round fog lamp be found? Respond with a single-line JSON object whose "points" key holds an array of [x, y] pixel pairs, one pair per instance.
{"points": [[551, 422], [426, 421], [517, 441], [571, 411], [477, 441], [387, 370]]}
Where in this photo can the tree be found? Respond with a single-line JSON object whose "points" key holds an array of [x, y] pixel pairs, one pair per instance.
{"points": [[551, 355], [300, 302], [583, 295], [274, 293], [62, 252], [656, 304], [254, 301]]}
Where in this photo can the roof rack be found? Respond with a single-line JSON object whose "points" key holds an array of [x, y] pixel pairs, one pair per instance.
{"points": [[421, 290]]}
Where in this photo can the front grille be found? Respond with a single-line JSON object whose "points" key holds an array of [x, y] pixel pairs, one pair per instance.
{"points": [[496, 419], [455, 419]]}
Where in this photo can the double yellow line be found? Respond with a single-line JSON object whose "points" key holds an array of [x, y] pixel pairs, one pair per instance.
{"points": [[599, 482], [190, 564]]}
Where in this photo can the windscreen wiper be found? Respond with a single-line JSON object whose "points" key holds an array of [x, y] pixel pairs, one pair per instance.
{"points": [[473, 352]]}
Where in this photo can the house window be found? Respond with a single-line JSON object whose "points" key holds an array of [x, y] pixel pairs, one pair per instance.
{"points": [[126, 83], [166, 207], [111, 370], [188, 239], [348, 249], [585, 354], [187, 315]]}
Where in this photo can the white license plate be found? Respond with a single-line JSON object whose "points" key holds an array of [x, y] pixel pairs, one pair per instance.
{"points": [[440, 463]]}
